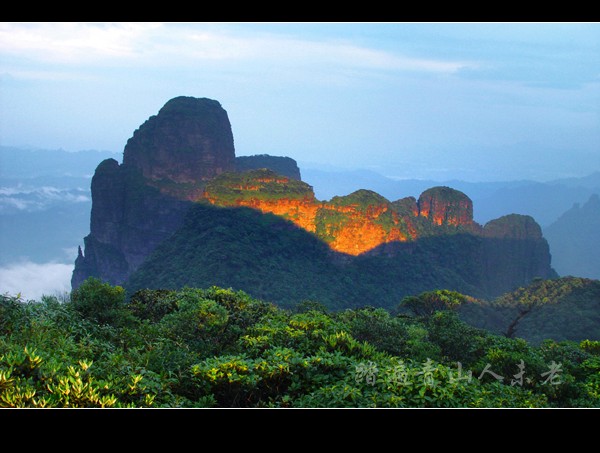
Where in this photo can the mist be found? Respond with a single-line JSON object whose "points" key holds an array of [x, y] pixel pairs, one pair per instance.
{"points": [[34, 280]]}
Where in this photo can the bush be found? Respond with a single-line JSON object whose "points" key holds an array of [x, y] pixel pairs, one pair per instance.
{"points": [[100, 302]]}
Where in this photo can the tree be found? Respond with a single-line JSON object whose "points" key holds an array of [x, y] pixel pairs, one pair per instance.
{"points": [[99, 301], [427, 303]]}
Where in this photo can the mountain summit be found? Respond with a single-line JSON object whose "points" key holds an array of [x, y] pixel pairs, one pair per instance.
{"points": [[190, 140]]}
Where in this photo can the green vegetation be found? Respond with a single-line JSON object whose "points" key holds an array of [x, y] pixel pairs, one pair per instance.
{"points": [[328, 223], [272, 259], [566, 308], [221, 348], [263, 184], [444, 194], [360, 200]]}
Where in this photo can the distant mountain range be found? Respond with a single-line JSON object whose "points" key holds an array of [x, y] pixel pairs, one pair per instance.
{"points": [[575, 240]]}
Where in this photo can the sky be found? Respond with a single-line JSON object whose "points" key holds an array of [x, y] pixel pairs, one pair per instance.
{"points": [[474, 101]]}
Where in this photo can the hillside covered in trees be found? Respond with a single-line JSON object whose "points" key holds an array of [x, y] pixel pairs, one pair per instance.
{"points": [[220, 348]]}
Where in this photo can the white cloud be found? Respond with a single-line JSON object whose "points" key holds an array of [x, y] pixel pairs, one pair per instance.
{"points": [[33, 280], [190, 45], [71, 42], [26, 198]]}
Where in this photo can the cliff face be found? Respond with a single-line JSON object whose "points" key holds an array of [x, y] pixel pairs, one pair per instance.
{"points": [[507, 252], [190, 140], [446, 206], [138, 204], [514, 253]]}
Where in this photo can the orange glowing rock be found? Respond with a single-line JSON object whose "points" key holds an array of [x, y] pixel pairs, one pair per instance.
{"points": [[351, 224]]}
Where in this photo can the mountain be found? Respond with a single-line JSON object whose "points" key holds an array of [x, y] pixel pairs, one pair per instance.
{"points": [[176, 213], [574, 239], [138, 204], [358, 223], [141, 202]]}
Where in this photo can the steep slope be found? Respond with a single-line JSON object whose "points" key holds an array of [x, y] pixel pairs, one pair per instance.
{"points": [[166, 165], [353, 224]]}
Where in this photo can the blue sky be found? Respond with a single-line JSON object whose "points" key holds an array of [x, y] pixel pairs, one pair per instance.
{"points": [[473, 101]]}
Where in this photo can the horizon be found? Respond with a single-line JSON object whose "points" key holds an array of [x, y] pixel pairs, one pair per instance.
{"points": [[478, 102]]}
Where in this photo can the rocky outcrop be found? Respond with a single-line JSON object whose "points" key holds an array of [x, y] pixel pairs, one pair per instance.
{"points": [[138, 204], [267, 192], [353, 224], [284, 166], [189, 141], [513, 226], [446, 206], [514, 253]]}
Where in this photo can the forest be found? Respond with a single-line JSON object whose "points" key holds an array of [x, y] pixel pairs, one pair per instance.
{"points": [[101, 347]]}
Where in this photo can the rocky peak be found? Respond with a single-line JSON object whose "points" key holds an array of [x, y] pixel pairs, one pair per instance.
{"points": [[362, 200], [513, 226], [446, 206], [188, 141]]}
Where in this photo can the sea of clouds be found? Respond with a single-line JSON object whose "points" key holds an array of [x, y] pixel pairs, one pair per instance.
{"points": [[34, 280], [29, 198]]}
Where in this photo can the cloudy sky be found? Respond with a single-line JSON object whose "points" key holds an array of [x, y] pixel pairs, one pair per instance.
{"points": [[474, 101]]}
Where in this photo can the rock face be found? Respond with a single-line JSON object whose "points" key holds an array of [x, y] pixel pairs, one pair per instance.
{"points": [[515, 252], [138, 204], [190, 140], [446, 206]]}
